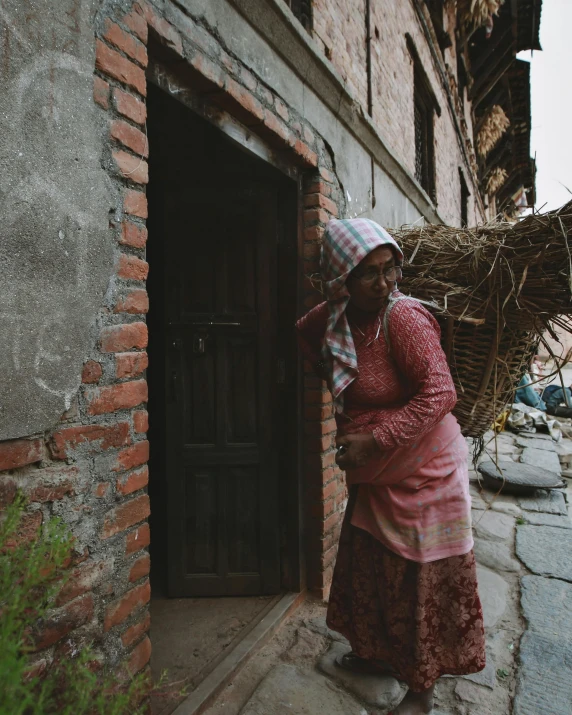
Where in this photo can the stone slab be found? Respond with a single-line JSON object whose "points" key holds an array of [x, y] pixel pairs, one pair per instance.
{"points": [[504, 476], [496, 556], [318, 625], [500, 448], [506, 507], [535, 435], [541, 458], [541, 519], [468, 692], [493, 590], [493, 525], [478, 504], [549, 502], [545, 550], [474, 477], [477, 500], [288, 690], [544, 680], [547, 606], [487, 676], [546, 444], [564, 448], [379, 691]]}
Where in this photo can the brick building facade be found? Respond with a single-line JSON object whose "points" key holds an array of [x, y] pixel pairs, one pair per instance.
{"points": [[345, 109]]}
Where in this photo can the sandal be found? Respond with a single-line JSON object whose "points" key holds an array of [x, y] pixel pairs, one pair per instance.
{"points": [[352, 662]]}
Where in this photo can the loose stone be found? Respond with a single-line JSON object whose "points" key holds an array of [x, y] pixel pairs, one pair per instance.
{"points": [[545, 550]]}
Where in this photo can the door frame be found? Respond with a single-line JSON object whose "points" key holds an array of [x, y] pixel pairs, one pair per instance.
{"points": [[290, 261]]}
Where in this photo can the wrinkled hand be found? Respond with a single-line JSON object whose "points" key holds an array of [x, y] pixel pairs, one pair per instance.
{"points": [[360, 449]]}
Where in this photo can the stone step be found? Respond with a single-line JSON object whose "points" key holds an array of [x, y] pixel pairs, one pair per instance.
{"points": [[541, 458]]}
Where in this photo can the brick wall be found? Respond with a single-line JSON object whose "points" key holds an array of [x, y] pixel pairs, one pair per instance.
{"points": [[339, 29], [91, 469], [326, 494]]}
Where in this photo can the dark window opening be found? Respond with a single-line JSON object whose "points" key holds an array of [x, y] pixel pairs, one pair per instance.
{"points": [[425, 106], [465, 193], [435, 8], [461, 75], [424, 138], [302, 10]]}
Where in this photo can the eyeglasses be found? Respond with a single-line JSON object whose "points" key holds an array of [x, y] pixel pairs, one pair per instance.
{"points": [[369, 277]]}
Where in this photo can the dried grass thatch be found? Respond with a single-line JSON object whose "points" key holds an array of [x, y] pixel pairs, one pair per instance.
{"points": [[496, 180], [474, 13], [496, 289], [493, 127]]}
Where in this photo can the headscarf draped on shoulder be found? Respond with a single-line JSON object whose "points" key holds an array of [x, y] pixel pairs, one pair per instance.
{"points": [[346, 243]]}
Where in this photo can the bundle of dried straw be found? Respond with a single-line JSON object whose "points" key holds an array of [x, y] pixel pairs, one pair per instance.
{"points": [[493, 127], [474, 13], [497, 289], [496, 180]]}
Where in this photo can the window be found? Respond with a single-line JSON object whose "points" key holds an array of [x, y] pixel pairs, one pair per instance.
{"points": [[464, 199], [435, 8], [461, 75], [424, 143], [425, 106], [302, 9]]}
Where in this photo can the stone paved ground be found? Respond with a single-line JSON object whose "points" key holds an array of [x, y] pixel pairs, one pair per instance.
{"points": [[523, 547]]}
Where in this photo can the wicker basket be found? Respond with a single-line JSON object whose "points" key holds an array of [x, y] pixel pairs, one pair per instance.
{"points": [[485, 369], [496, 290]]}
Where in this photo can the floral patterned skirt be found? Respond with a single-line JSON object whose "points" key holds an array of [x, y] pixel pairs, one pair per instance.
{"points": [[425, 620]]}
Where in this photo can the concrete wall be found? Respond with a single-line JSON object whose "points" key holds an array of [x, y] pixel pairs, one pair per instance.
{"points": [[55, 254]]}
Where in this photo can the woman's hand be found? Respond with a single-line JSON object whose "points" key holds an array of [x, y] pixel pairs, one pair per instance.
{"points": [[359, 450]]}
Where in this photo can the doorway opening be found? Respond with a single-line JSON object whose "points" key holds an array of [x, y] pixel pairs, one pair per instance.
{"points": [[223, 390]]}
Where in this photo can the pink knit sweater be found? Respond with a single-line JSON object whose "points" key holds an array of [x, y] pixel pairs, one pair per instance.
{"points": [[415, 497]]}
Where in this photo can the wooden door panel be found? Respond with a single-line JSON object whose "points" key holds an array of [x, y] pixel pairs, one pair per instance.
{"points": [[199, 392], [221, 363], [243, 518], [202, 525], [241, 278], [240, 389]]}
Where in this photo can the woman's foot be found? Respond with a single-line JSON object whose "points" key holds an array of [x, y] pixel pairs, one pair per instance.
{"points": [[351, 661], [416, 703]]}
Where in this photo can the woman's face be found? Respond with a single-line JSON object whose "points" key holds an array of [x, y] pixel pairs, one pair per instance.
{"points": [[369, 289]]}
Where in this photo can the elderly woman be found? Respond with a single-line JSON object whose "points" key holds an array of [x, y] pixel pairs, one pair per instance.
{"points": [[404, 589]]}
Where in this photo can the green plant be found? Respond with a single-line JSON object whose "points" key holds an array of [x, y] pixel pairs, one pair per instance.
{"points": [[31, 575]]}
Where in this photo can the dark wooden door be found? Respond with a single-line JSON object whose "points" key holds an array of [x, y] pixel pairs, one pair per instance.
{"points": [[221, 392]]}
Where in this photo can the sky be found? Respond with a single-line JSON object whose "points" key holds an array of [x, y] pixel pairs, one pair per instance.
{"points": [[551, 79]]}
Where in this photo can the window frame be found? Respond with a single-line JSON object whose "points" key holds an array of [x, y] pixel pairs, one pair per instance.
{"points": [[436, 10], [423, 117], [465, 195], [425, 104], [303, 12]]}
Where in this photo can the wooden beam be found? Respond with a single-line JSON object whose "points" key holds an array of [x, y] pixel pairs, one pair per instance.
{"points": [[490, 49], [497, 159], [480, 92], [490, 71], [498, 97]]}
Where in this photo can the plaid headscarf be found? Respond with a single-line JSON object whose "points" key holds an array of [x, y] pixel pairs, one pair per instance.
{"points": [[346, 243]]}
